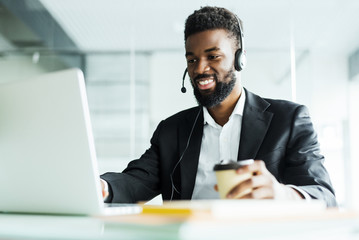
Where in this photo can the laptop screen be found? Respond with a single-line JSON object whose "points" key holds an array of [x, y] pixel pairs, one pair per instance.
{"points": [[47, 154]]}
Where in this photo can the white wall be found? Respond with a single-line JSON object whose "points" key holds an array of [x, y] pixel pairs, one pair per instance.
{"points": [[166, 98], [323, 88], [353, 164], [264, 73]]}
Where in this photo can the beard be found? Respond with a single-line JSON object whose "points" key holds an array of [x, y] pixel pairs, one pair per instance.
{"points": [[221, 91]]}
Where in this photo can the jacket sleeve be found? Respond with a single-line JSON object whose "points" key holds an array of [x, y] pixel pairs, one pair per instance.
{"points": [[304, 163], [140, 181]]}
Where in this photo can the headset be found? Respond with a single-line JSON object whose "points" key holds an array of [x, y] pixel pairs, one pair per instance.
{"points": [[240, 59]]}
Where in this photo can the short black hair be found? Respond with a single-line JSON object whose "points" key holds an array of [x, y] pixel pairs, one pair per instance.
{"points": [[210, 18]]}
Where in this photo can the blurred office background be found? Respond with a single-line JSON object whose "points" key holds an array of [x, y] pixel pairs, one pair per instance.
{"points": [[132, 55]]}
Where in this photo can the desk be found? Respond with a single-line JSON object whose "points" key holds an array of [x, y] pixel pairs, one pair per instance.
{"points": [[333, 224], [16, 226]]}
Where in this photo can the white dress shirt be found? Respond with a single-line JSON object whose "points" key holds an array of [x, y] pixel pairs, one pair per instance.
{"points": [[218, 143]]}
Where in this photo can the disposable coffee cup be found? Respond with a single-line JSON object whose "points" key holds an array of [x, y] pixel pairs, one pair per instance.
{"points": [[227, 178]]}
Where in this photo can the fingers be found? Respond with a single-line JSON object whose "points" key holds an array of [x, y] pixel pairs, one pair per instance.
{"points": [[260, 193], [252, 188], [104, 194], [256, 168], [104, 190], [260, 186]]}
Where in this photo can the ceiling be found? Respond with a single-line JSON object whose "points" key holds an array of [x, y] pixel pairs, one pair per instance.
{"points": [[157, 25]]}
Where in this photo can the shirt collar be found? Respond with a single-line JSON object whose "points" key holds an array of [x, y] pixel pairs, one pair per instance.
{"points": [[238, 110]]}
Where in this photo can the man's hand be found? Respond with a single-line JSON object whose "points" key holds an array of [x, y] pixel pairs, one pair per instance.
{"points": [[262, 185], [104, 189]]}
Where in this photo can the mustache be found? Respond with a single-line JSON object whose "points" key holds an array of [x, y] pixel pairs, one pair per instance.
{"points": [[205, 76]]}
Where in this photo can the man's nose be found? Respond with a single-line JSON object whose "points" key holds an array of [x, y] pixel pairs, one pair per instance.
{"points": [[202, 67]]}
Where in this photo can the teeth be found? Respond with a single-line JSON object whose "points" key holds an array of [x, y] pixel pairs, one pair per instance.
{"points": [[205, 82]]}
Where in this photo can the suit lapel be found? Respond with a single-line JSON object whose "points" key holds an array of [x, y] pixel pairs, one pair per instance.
{"points": [[255, 123], [189, 162]]}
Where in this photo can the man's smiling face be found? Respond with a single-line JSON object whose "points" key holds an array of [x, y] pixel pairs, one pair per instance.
{"points": [[210, 58]]}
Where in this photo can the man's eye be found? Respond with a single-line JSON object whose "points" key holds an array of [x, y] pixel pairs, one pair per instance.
{"points": [[191, 60], [212, 57]]}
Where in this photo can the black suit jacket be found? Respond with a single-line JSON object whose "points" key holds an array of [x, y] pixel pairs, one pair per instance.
{"points": [[276, 131]]}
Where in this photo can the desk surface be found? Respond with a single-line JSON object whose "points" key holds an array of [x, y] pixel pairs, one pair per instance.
{"points": [[332, 224]]}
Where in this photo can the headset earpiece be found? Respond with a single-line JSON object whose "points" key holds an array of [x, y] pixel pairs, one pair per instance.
{"points": [[240, 59]]}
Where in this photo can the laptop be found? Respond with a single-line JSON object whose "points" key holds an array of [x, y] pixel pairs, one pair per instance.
{"points": [[47, 155]]}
